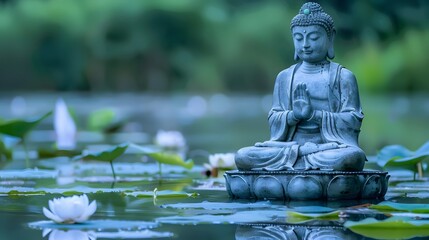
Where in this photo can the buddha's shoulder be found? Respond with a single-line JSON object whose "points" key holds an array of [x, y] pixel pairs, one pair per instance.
{"points": [[286, 72], [346, 74]]}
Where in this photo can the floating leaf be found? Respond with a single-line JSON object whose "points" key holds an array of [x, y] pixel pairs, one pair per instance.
{"points": [[391, 228], [296, 217], [20, 128], [52, 153], [27, 174], [5, 154], [161, 194], [26, 191], [107, 155], [220, 205], [101, 119], [95, 225], [172, 159], [238, 217], [401, 207], [400, 156]]}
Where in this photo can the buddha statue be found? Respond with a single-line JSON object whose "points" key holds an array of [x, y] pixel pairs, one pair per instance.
{"points": [[316, 114]]}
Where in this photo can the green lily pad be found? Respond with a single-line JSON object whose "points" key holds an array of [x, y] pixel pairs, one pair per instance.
{"points": [[161, 194], [27, 174], [400, 156], [27, 191], [296, 217], [391, 228], [220, 205], [238, 217], [401, 207], [19, 127], [95, 225], [107, 155], [163, 157], [101, 119], [172, 159]]}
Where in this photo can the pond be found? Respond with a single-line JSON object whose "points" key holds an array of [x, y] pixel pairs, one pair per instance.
{"points": [[181, 203]]}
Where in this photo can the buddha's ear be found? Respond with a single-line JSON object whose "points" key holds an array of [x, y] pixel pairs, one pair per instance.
{"points": [[331, 52], [296, 57]]}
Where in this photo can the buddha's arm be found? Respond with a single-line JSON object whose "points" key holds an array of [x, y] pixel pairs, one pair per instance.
{"points": [[344, 125], [350, 109], [279, 118]]}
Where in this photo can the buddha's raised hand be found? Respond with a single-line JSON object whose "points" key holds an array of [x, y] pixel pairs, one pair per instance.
{"points": [[302, 109]]}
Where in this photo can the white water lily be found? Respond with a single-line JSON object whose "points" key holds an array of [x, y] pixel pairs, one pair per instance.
{"points": [[73, 209], [170, 139], [65, 128], [222, 160], [57, 234]]}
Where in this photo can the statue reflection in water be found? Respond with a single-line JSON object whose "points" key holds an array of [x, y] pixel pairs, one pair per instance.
{"points": [[284, 232]]}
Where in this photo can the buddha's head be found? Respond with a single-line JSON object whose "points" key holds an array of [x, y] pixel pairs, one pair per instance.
{"points": [[313, 34]]}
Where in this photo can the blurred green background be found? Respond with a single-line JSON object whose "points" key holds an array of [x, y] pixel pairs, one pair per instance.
{"points": [[206, 47], [201, 46]]}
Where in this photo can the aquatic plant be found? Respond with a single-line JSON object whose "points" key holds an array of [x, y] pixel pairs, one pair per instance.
{"points": [[75, 209]]}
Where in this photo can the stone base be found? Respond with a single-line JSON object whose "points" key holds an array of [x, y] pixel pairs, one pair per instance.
{"points": [[306, 185]]}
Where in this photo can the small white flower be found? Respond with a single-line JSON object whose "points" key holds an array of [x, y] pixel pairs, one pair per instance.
{"points": [[57, 234], [73, 209], [222, 160], [170, 139], [65, 128]]}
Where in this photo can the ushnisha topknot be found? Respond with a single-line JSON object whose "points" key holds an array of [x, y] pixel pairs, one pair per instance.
{"points": [[312, 13]]}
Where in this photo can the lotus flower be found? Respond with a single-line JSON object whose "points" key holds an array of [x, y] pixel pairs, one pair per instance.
{"points": [[219, 161], [222, 160], [65, 128], [170, 139], [56, 234], [73, 209]]}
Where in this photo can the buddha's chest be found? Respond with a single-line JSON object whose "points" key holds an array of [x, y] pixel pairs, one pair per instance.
{"points": [[317, 85]]}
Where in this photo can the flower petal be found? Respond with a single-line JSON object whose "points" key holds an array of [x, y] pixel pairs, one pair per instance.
{"points": [[52, 216], [88, 212], [85, 200]]}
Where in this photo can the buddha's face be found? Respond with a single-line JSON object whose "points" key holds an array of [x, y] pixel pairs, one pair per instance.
{"points": [[311, 43]]}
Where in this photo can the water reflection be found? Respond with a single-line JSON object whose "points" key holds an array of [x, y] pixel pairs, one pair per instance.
{"points": [[294, 232], [56, 234]]}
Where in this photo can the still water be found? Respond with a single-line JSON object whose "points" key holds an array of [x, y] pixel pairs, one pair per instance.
{"points": [[211, 124]]}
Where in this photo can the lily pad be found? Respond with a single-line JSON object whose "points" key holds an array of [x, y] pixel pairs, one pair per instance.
{"points": [[161, 194], [401, 207], [27, 174], [400, 156], [95, 225], [391, 228], [26, 191], [19, 127], [296, 217], [101, 168], [220, 205], [238, 217], [107, 155]]}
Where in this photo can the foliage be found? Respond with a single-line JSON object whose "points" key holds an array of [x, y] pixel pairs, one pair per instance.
{"points": [[197, 45], [400, 156], [391, 228], [19, 127]]}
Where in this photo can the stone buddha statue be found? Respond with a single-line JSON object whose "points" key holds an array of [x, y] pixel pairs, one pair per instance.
{"points": [[316, 114]]}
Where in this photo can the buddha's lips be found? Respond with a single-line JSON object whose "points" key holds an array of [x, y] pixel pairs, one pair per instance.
{"points": [[307, 52]]}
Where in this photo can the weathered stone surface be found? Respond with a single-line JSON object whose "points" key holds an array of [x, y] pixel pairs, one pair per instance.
{"points": [[306, 185]]}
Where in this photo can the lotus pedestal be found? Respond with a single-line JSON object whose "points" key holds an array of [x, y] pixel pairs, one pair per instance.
{"points": [[306, 185]]}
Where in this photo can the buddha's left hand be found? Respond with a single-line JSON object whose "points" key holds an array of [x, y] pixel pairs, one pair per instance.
{"points": [[302, 109]]}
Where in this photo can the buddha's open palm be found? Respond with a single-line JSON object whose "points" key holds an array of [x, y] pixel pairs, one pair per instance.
{"points": [[302, 109]]}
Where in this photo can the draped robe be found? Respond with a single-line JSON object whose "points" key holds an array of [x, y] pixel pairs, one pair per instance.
{"points": [[339, 129]]}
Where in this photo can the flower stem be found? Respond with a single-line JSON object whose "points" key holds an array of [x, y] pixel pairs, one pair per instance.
{"points": [[27, 157], [160, 169], [114, 174]]}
